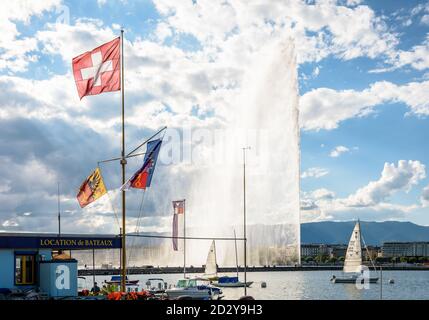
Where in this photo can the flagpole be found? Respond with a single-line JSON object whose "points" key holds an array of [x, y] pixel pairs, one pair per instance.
{"points": [[123, 163], [184, 238], [59, 212], [244, 219]]}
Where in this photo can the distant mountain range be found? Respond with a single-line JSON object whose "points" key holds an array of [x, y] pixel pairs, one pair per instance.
{"points": [[329, 232], [374, 233]]}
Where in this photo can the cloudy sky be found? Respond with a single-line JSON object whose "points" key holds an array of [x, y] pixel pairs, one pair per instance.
{"points": [[363, 69]]}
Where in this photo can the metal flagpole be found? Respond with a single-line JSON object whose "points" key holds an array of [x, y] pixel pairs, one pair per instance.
{"points": [[184, 238], [244, 219], [236, 254], [93, 267], [123, 163], [59, 212]]}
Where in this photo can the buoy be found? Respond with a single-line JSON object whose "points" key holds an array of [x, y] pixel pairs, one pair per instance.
{"points": [[391, 281], [263, 284]]}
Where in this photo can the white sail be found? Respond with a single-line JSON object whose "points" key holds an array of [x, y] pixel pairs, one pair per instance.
{"points": [[211, 264], [353, 259]]}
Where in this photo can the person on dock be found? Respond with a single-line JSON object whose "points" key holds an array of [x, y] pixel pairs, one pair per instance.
{"points": [[95, 289]]}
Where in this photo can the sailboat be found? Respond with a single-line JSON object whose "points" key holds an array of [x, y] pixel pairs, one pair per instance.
{"points": [[231, 282], [210, 271], [353, 260]]}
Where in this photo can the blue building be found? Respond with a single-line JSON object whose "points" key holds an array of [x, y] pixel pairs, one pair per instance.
{"points": [[26, 261]]}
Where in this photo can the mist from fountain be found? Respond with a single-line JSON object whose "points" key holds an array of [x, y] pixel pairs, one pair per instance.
{"points": [[265, 117]]}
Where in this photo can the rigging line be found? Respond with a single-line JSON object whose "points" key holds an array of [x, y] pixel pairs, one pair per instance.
{"points": [[187, 238], [114, 210], [136, 230], [147, 140], [111, 203], [367, 251]]}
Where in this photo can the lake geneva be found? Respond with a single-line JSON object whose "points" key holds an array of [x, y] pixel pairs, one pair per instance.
{"points": [[297, 285]]}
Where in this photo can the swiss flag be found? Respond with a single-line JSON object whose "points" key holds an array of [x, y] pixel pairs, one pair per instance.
{"points": [[98, 70]]}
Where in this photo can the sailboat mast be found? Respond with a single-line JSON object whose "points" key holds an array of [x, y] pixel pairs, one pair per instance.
{"points": [[123, 163]]}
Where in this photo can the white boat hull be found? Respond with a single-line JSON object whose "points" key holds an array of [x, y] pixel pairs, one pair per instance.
{"points": [[193, 293]]}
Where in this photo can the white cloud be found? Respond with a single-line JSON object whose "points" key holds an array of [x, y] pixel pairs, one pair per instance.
{"points": [[371, 201], [314, 172], [416, 57], [101, 2], [425, 19], [325, 108], [341, 31], [338, 150], [393, 178], [16, 51], [425, 196]]}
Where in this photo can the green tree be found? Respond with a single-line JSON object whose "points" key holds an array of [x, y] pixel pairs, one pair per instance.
{"points": [[412, 260]]}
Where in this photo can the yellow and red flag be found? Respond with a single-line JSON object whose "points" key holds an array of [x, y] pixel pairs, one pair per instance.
{"points": [[91, 189]]}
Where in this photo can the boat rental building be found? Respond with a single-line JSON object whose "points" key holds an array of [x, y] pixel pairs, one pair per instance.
{"points": [[27, 261]]}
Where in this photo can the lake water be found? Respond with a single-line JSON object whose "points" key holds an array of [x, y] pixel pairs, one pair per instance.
{"points": [[294, 285]]}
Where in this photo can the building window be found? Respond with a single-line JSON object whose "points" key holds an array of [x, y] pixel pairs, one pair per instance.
{"points": [[24, 269]]}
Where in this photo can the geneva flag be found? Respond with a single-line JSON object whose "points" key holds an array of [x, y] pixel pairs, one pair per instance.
{"points": [[91, 189]]}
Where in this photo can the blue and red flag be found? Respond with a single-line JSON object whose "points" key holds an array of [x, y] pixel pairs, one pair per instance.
{"points": [[143, 177]]}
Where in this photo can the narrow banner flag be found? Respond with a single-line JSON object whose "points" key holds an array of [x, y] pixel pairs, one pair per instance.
{"points": [[179, 208], [143, 177], [91, 189], [175, 231], [98, 70]]}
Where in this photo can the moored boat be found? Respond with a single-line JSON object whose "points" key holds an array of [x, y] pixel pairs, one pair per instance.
{"points": [[231, 282], [210, 271], [353, 266], [156, 285], [195, 289], [116, 280]]}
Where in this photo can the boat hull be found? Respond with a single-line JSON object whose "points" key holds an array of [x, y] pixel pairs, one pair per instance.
{"points": [[354, 280], [238, 284], [128, 282], [194, 294]]}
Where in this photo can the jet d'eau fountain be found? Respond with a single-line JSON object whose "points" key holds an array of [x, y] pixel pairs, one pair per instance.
{"points": [[264, 115]]}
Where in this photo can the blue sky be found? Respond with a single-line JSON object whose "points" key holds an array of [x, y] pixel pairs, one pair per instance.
{"points": [[363, 72]]}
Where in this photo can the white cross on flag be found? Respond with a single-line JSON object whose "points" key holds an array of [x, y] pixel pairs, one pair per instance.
{"points": [[98, 70]]}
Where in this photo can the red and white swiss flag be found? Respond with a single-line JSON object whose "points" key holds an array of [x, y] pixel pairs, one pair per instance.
{"points": [[98, 70]]}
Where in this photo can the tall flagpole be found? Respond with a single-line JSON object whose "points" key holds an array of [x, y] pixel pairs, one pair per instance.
{"points": [[244, 219], [123, 163], [59, 212], [184, 238]]}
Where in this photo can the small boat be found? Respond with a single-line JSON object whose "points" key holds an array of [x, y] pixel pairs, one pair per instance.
{"points": [[210, 271], [227, 281], [231, 282], [195, 289], [156, 285], [116, 280], [353, 261]]}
